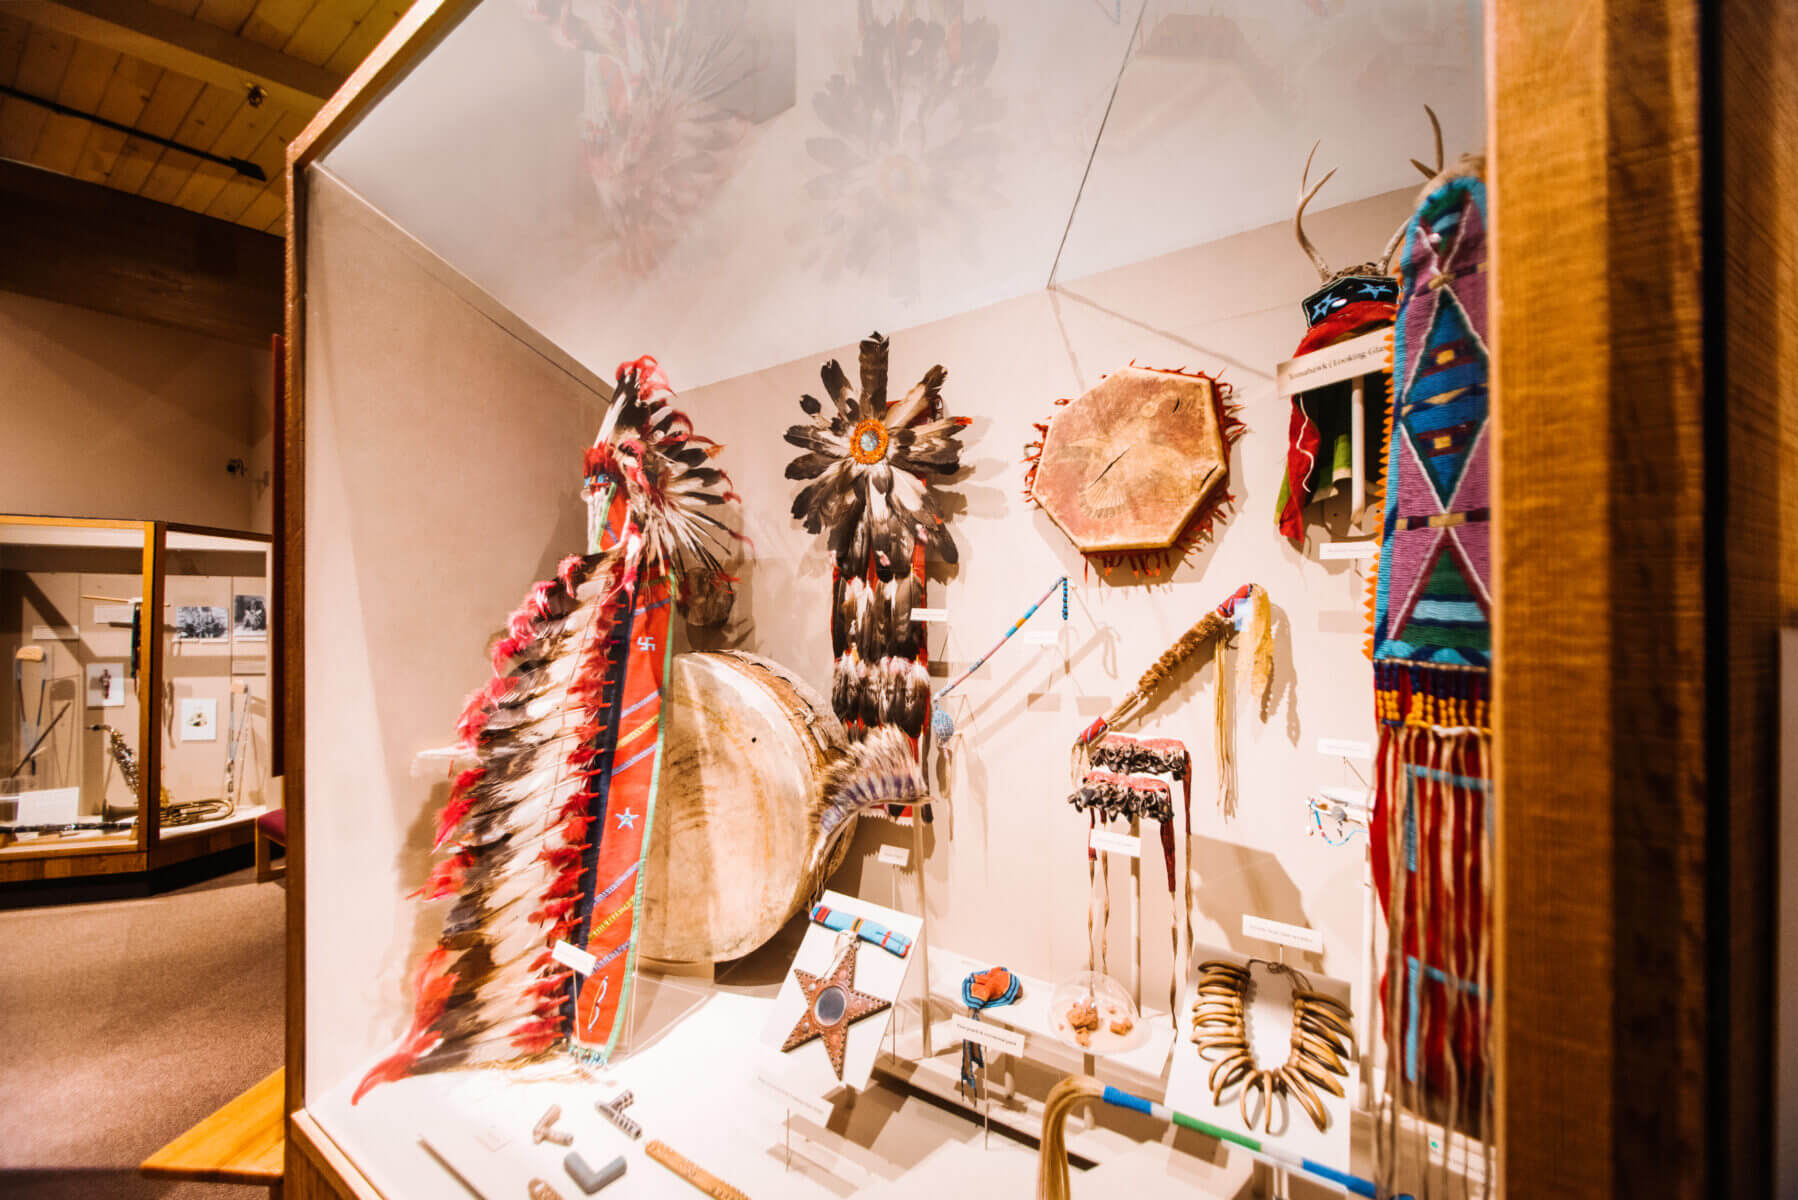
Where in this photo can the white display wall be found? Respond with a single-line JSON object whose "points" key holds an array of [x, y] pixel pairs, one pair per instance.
{"points": [[443, 457], [408, 603], [1007, 875]]}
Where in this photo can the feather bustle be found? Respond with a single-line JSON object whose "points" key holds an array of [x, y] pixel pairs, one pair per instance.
{"points": [[873, 363], [877, 770]]}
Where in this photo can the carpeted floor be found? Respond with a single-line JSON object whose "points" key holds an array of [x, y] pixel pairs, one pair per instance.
{"points": [[126, 1021]]}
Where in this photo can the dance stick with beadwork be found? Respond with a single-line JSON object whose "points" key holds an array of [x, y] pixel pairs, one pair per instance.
{"points": [[941, 723], [1271, 1154]]}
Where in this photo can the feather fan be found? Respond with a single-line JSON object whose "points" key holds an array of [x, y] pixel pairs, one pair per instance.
{"points": [[877, 770]]}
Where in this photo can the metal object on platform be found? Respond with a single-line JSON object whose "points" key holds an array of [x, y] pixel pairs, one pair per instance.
{"points": [[613, 1111], [546, 1131], [588, 1178]]}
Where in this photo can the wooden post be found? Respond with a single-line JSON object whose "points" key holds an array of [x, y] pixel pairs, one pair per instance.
{"points": [[149, 688]]}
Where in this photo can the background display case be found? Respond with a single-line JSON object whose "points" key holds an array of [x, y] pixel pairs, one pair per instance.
{"points": [[151, 737], [467, 269]]}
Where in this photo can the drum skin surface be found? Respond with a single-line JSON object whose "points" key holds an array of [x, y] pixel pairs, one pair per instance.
{"points": [[746, 747]]}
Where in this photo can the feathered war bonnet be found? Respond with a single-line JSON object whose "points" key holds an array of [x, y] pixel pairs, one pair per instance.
{"points": [[647, 452]]}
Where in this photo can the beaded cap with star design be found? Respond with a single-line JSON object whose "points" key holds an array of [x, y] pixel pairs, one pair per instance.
{"points": [[832, 1005]]}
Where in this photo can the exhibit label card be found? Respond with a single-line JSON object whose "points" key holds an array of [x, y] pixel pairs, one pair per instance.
{"points": [[992, 1037], [1343, 748], [1282, 934], [1116, 843], [893, 856], [1367, 548], [930, 614], [1365, 355], [573, 957]]}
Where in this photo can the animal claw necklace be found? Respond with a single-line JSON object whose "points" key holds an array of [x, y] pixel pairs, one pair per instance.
{"points": [[1322, 1034]]}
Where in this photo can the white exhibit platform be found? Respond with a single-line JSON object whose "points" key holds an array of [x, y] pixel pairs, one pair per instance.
{"points": [[700, 1078], [696, 1088]]}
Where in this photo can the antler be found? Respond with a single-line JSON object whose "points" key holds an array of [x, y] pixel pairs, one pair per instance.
{"points": [[1398, 234], [1435, 128], [1298, 217]]}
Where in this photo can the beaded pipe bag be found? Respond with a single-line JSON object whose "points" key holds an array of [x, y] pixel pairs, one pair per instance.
{"points": [[1432, 648]]}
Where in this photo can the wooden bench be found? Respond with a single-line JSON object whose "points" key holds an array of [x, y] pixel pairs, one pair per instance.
{"points": [[271, 831], [243, 1142]]}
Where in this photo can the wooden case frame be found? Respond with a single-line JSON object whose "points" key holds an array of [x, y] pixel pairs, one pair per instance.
{"points": [[1641, 566]]}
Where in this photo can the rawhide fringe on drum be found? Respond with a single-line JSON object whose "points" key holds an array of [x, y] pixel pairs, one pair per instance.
{"points": [[566, 738], [1432, 661], [871, 464]]}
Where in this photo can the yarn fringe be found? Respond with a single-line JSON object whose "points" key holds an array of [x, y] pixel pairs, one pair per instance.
{"points": [[1432, 860]]}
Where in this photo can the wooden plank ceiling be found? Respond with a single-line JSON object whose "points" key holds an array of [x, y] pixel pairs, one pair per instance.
{"points": [[179, 69]]}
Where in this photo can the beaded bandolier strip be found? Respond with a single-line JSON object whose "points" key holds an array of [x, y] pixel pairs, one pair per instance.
{"points": [[627, 758]]}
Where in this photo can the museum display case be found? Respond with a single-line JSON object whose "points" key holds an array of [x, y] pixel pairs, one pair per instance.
{"points": [[103, 715], [868, 575]]}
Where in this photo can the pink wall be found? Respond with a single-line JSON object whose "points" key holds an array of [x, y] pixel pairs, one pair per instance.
{"points": [[104, 416]]}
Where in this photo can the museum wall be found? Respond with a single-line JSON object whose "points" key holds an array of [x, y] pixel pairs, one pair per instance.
{"points": [[450, 497], [444, 539], [110, 417], [261, 458]]}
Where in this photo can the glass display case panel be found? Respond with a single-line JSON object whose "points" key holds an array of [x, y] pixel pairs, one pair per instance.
{"points": [[70, 598], [460, 326], [1220, 103], [215, 679]]}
